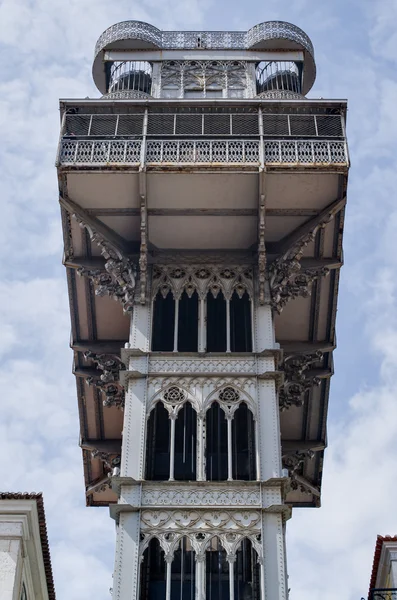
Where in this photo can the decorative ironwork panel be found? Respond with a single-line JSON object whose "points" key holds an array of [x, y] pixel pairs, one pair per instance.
{"points": [[278, 30], [205, 151], [383, 594], [194, 496], [85, 152]]}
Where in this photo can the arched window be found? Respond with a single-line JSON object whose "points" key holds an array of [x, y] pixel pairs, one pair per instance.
{"points": [[188, 323], [153, 572], [230, 441], [217, 584], [163, 323], [158, 444], [183, 572], [216, 444], [240, 323], [171, 440], [185, 444], [216, 323], [246, 573], [243, 444]]}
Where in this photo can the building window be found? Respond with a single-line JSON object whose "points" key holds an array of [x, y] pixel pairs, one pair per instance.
{"points": [[171, 440], [230, 442], [216, 443], [240, 323], [188, 314], [158, 444], [163, 323], [216, 572], [153, 572], [246, 573], [183, 572], [24, 595], [216, 323]]}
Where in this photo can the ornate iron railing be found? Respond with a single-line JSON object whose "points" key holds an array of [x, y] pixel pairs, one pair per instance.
{"points": [[107, 152], [211, 40], [383, 594]]}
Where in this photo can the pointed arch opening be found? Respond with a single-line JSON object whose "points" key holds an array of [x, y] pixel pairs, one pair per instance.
{"points": [[216, 444], [243, 444], [216, 323], [246, 572], [188, 322], [216, 571], [183, 572], [185, 444], [163, 323], [153, 572], [240, 323], [158, 444]]}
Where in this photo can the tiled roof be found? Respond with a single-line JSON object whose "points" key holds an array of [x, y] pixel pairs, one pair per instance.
{"points": [[378, 549], [43, 533]]}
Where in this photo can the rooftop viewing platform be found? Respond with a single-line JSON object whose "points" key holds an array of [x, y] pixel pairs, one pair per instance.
{"points": [[117, 135]]}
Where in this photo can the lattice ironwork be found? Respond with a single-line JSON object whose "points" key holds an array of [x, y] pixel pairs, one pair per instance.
{"points": [[305, 152], [102, 125], [83, 152], [204, 151], [239, 40], [383, 594], [302, 125]]}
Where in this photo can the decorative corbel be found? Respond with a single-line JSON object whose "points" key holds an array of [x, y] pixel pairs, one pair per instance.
{"points": [[287, 279], [109, 380], [118, 279], [111, 462], [297, 380], [293, 462]]}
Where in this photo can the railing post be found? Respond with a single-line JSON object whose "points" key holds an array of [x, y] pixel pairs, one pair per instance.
{"points": [[60, 145], [261, 141], [315, 124], [143, 143]]}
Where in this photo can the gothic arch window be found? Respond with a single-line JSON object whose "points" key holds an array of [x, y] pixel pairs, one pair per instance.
{"points": [[153, 572], [175, 322], [171, 439], [163, 323], [246, 574], [216, 571], [216, 322], [216, 444], [158, 444], [230, 438], [185, 444], [240, 323], [183, 571], [243, 444]]}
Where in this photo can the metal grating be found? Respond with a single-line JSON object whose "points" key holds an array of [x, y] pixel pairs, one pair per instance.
{"points": [[245, 124], [276, 125], [189, 124], [160, 124], [103, 125], [302, 125], [329, 125], [130, 125], [217, 124], [77, 125]]}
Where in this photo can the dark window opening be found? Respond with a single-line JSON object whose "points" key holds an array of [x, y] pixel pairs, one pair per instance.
{"points": [[246, 573], [185, 444], [240, 324], [158, 445], [163, 323], [216, 447], [153, 573], [216, 572], [243, 444], [188, 323], [183, 580], [216, 323]]}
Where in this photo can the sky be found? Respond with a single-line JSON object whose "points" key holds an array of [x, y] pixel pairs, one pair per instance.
{"points": [[46, 50]]}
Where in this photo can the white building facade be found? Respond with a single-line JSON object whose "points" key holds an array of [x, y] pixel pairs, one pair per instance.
{"points": [[202, 200]]}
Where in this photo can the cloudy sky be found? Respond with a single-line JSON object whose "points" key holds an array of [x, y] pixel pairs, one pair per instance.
{"points": [[46, 51]]}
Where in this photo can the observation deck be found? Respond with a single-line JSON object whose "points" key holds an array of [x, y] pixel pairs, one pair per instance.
{"points": [[204, 142]]}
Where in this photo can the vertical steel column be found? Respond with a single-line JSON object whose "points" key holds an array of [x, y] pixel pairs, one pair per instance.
{"points": [[173, 417], [176, 324], [229, 448], [227, 325], [230, 560]]}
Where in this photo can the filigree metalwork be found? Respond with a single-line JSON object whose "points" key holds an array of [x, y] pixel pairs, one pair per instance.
{"points": [[111, 461], [108, 382], [296, 378], [287, 279], [118, 278], [294, 462], [195, 278]]}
